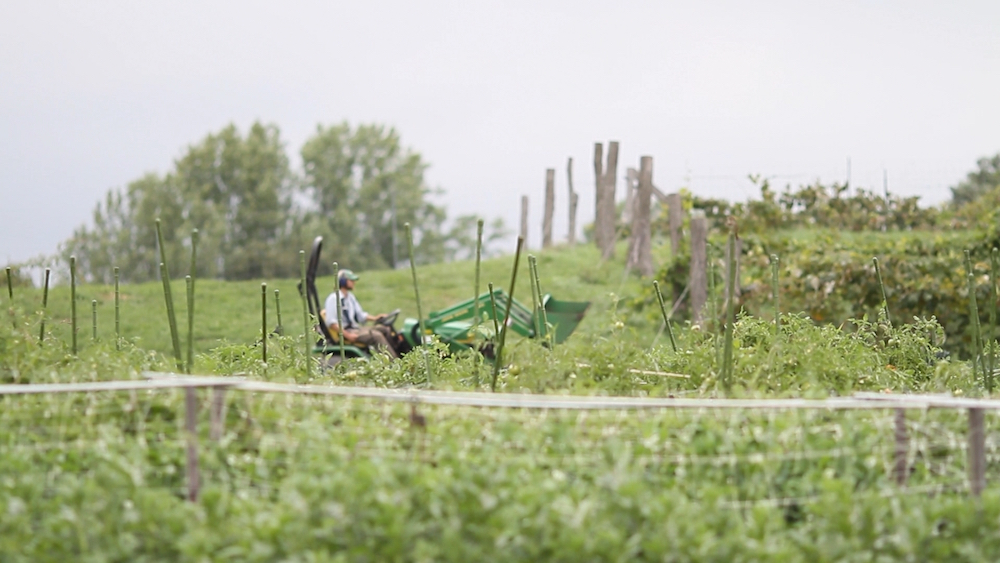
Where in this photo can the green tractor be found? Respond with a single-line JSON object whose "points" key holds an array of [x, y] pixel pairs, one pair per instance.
{"points": [[454, 326]]}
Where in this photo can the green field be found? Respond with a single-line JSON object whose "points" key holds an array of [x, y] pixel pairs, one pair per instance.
{"points": [[100, 476]]}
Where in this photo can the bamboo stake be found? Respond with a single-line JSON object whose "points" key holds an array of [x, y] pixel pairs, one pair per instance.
{"points": [[93, 316], [72, 298], [305, 313], [118, 321], [774, 289], [506, 316], [340, 312], [189, 286], [536, 317], [496, 321], [479, 256], [263, 321], [190, 301], [977, 360], [994, 264], [10, 285], [885, 300], [541, 302], [171, 317], [730, 313], [416, 293], [277, 311], [45, 304], [663, 311]]}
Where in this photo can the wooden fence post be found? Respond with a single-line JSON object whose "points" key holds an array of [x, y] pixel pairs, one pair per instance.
{"points": [[899, 470], [598, 187], [524, 219], [550, 207], [191, 432], [676, 219], [977, 452], [736, 260], [631, 187], [604, 212], [573, 200], [217, 414], [699, 263], [640, 250]]}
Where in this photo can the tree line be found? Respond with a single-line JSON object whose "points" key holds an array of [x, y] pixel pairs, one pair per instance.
{"points": [[254, 212]]}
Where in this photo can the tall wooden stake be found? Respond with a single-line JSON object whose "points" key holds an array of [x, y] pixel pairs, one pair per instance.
{"points": [[191, 432], [977, 452], [574, 199], [550, 207]]}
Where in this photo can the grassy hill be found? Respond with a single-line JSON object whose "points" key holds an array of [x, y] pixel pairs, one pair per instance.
{"points": [[227, 311]]}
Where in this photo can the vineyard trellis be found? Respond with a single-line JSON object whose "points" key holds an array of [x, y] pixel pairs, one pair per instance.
{"points": [[916, 439]]}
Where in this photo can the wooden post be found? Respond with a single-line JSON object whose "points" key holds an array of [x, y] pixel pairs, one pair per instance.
{"points": [[598, 188], [524, 219], [550, 207], [640, 255], [736, 259], [191, 432], [604, 213], [607, 209], [631, 187], [899, 470], [977, 452], [573, 200], [699, 263], [217, 414], [676, 218]]}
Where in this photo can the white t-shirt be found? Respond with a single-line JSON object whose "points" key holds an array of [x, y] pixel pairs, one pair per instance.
{"points": [[351, 311]]}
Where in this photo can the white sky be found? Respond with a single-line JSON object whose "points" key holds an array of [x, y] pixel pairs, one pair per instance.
{"points": [[93, 94]]}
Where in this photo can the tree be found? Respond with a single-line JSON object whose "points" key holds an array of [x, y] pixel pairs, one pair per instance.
{"points": [[978, 182], [235, 190], [359, 180]]}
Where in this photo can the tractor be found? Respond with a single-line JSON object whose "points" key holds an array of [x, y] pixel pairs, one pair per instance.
{"points": [[453, 326]]}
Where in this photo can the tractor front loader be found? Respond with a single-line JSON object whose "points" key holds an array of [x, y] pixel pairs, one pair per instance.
{"points": [[455, 326]]}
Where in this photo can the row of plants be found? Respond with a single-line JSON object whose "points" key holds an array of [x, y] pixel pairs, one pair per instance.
{"points": [[831, 277], [101, 476]]}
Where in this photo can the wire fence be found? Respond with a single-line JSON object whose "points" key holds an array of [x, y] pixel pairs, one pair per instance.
{"points": [[754, 452]]}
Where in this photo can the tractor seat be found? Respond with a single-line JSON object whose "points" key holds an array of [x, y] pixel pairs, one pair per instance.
{"points": [[334, 339]]}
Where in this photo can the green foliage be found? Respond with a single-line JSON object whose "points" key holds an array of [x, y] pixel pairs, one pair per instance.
{"points": [[101, 476], [829, 276], [236, 190], [356, 178], [817, 205], [254, 213], [979, 182]]}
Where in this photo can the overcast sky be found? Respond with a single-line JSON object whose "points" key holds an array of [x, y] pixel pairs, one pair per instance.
{"points": [[94, 94]]}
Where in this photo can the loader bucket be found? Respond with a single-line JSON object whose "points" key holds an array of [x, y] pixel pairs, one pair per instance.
{"points": [[564, 316]]}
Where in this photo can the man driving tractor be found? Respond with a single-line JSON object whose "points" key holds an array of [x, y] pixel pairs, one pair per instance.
{"points": [[379, 337]]}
